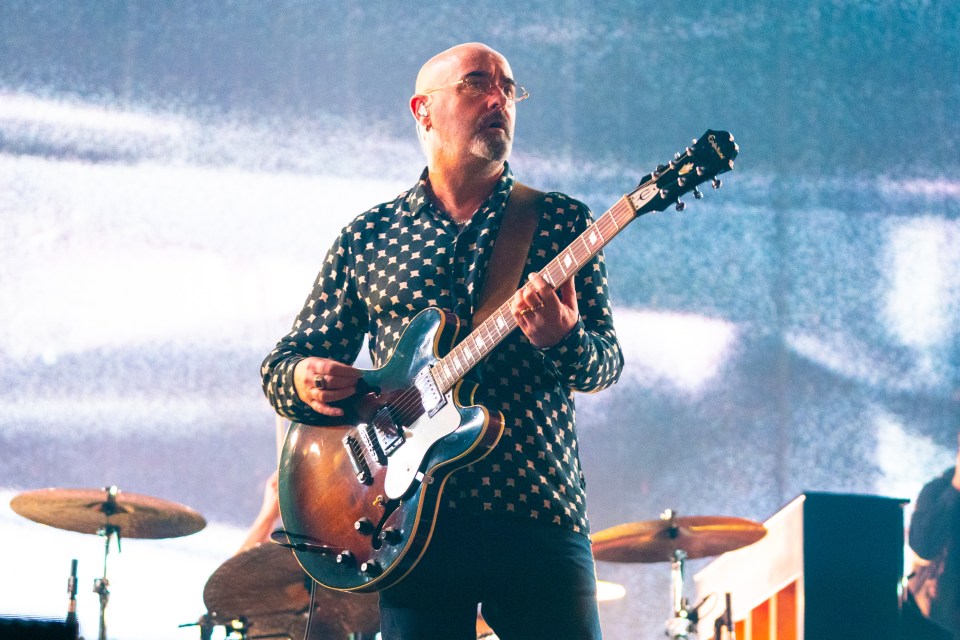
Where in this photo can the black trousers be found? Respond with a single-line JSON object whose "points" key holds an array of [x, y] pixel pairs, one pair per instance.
{"points": [[534, 580]]}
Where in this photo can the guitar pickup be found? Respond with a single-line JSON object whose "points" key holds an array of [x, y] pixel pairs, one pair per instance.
{"points": [[359, 462], [385, 432], [430, 396]]}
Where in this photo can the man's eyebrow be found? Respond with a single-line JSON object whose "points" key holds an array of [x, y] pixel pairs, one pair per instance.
{"points": [[484, 74]]}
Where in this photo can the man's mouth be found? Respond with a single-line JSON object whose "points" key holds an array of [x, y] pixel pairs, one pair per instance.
{"points": [[494, 122]]}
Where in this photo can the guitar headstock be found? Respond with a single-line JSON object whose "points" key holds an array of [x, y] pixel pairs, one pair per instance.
{"points": [[709, 156]]}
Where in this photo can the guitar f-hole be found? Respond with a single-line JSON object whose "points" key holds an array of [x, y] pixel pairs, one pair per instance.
{"points": [[382, 534]]}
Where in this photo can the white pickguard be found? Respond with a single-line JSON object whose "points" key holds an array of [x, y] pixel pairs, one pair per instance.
{"points": [[404, 463]]}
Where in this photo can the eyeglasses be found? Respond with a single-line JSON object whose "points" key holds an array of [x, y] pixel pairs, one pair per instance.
{"points": [[481, 85]]}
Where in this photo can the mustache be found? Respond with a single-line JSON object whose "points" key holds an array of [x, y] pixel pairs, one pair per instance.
{"points": [[497, 118]]}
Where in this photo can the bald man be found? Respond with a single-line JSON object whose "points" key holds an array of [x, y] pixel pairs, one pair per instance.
{"points": [[511, 532]]}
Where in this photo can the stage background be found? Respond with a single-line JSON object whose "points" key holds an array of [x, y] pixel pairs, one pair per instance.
{"points": [[172, 173]]}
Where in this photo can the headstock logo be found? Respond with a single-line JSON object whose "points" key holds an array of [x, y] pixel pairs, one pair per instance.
{"points": [[713, 143], [685, 169]]}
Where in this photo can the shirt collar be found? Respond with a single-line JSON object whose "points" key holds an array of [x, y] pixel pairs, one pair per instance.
{"points": [[418, 197]]}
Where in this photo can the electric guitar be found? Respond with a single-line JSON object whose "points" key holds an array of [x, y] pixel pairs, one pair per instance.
{"points": [[359, 494]]}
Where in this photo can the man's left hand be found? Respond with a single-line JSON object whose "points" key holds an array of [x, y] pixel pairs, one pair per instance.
{"points": [[543, 314]]}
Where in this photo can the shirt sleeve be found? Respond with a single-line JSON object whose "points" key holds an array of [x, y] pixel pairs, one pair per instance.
{"points": [[935, 511], [332, 324], [589, 358]]}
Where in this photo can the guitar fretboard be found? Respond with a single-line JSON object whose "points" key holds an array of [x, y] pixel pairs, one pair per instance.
{"points": [[489, 333]]}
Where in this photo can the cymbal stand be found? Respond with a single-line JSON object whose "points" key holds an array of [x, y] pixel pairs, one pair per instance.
{"points": [[683, 623], [100, 585]]}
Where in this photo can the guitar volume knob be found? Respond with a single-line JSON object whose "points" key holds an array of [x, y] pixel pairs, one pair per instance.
{"points": [[371, 568], [345, 557], [364, 526], [391, 535]]}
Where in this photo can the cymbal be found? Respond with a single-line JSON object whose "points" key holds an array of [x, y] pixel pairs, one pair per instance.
{"points": [[91, 510], [656, 540], [266, 585]]}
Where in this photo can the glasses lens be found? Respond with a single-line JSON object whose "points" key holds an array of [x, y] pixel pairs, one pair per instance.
{"points": [[482, 85], [477, 84]]}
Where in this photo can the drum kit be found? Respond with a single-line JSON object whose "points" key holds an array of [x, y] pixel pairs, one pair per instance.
{"points": [[110, 514], [262, 592], [259, 593], [676, 539]]}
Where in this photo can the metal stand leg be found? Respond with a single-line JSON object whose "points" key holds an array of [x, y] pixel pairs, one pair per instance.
{"points": [[682, 625], [101, 585]]}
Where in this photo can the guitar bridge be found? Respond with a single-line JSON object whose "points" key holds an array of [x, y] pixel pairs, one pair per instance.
{"points": [[369, 435], [359, 462]]}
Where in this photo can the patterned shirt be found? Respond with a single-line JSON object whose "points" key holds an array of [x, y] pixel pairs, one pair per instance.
{"points": [[406, 255]]}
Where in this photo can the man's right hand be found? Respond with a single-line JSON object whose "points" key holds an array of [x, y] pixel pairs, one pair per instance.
{"points": [[320, 381]]}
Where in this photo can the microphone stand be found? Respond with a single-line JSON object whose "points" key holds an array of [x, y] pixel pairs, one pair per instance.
{"points": [[73, 627]]}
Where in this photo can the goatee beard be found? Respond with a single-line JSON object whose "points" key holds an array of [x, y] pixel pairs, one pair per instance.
{"points": [[493, 148]]}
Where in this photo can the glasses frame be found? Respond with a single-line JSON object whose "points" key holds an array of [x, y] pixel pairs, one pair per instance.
{"points": [[521, 93]]}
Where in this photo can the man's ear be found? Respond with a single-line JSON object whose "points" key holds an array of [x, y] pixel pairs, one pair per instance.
{"points": [[418, 106]]}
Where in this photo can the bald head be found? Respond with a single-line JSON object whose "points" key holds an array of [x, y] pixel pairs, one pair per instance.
{"points": [[458, 123], [445, 67]]}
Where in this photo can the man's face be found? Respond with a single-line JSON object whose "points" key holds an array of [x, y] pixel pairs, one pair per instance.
{"points": [[467, 121]]}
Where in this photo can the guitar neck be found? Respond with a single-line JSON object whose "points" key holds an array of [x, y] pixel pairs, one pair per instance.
{"points": [[489, 333], [710, 155]]}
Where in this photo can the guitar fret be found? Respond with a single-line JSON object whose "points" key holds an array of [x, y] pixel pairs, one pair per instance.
{"points": [[457, 363], [442, 377], [612, 219], [465, 357]]}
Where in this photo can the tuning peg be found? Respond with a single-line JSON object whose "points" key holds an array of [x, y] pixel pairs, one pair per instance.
{"points": [[661, 168], [717, 183], [664, 194], [681, 205], [700, 171], [681, 181], [697, 194], [677, 155]]}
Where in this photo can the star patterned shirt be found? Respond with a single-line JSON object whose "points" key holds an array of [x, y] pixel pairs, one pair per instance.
{"points": [[406, 255]]}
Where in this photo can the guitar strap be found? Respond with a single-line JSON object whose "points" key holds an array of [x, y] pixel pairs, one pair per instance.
{"points": [[509, 250]]}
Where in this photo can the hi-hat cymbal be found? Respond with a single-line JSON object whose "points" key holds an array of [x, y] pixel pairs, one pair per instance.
{"points": [[266, 585], [657, 540], [92, 510]]}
